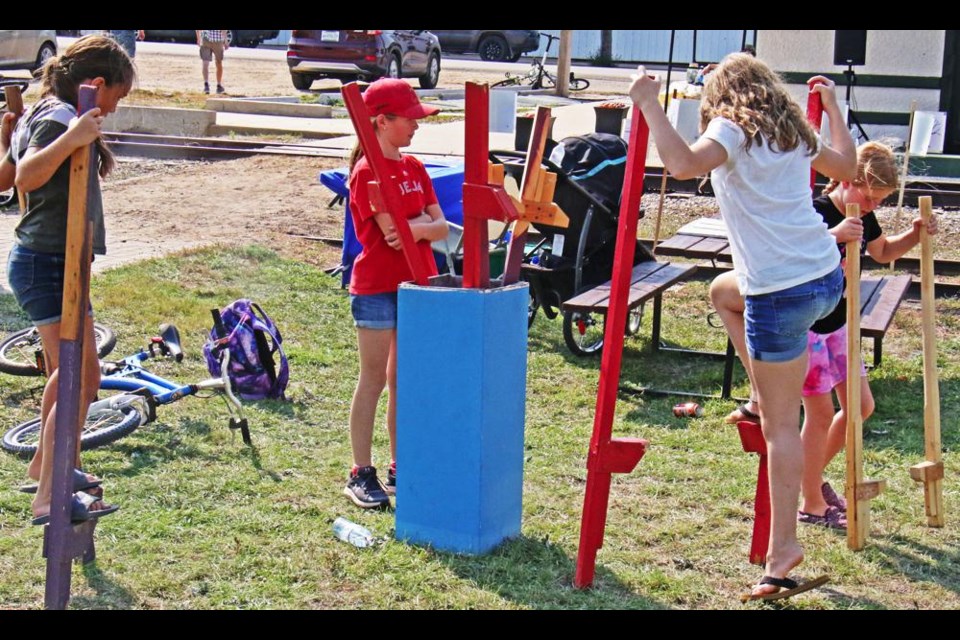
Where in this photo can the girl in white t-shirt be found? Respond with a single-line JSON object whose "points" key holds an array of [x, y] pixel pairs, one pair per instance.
{"points": [[759, 147]]}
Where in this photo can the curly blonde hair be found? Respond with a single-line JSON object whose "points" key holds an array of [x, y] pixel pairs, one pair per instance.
{"points": [[750, 94], [877, 168]]}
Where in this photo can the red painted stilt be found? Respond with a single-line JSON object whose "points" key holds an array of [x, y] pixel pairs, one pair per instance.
{"points": [[384, 193], [751, 437], [610, 455], [483, 196], [815, 117]]}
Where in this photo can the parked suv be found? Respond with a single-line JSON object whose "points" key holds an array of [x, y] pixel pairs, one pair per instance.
{"points": [[235, 37], [26, 48], [363, 55], [491, 45]]}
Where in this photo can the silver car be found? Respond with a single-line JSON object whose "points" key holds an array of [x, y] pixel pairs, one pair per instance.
{"points": [[26, 48]]}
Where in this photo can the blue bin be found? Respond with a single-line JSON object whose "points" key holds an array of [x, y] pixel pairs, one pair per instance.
{"points": [[447, 183], [461, 399]]}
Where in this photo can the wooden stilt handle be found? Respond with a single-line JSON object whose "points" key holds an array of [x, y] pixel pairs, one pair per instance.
{"points": [[858, 509], [931, 473]]}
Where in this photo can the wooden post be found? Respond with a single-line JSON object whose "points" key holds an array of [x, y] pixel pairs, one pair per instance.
{"points": [[483, 195], [384, 192], [903, 174], [858, 490], [929, 472], [528, 192], [563, 63], [62, 541], [608, 455]]}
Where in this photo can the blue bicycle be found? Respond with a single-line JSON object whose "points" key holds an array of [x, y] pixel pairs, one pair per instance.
{"points": [[142, 392]]}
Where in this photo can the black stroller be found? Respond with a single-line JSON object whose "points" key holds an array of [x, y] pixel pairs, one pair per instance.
{"points": [[565, 262]]}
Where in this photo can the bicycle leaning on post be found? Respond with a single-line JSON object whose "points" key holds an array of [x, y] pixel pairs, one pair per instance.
{"points": [[538, 77], [142, 392]]}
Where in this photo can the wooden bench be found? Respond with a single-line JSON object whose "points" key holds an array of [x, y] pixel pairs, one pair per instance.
{"points": [[649, 279], [880, 297]]}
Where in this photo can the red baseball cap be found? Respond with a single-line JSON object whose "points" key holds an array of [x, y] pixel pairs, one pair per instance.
{"points": [[395, 97]]}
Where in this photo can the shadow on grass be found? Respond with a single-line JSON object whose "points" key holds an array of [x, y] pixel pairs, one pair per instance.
{"points": [[539, 574], [643, 367], [920, 562], [18, 398], [110, 595]]}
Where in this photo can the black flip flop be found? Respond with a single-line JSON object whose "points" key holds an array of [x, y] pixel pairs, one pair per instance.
{"points": [[80, 511], [746, 414], [787, 587], [80, 483]]}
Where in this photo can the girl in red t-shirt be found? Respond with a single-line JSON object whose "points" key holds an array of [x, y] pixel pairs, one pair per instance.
{"points": [[378, 272]]}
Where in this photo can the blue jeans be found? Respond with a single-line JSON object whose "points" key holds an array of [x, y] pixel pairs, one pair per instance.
{"points": [[126, 38], [374, 311], [777, 323], [36, 280]]}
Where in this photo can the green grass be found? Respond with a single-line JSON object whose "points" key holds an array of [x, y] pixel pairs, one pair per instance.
{"points": [[209, 523]]}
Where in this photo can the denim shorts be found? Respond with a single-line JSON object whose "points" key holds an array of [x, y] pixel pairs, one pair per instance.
{"points": [[36, 280], [777, 322], [374, 311]]}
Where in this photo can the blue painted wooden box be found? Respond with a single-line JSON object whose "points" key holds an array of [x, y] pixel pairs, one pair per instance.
{"points": [[461, 394]]}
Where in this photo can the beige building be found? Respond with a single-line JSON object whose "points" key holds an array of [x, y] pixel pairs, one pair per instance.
{"points": [[898, 67]]}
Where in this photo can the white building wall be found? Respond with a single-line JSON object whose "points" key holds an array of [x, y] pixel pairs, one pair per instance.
{"points": [[888, 52]]}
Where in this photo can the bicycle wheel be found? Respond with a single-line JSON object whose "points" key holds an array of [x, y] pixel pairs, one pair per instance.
{"points": [[545, 81], [18, 351], [579, 84], [583, 332], [532, 307], [509, 81], [104, 424]]}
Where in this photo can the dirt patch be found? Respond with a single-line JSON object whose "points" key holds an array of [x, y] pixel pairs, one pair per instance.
{"points": [[268, 200]]}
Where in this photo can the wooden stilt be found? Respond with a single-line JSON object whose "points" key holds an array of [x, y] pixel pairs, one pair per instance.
{"points": [[752, 440], [62, 540], [608, 455], [858, 490], [384, 192], [929, 472], [531, 186], [483, 195], [903, 174], [815, 118]]}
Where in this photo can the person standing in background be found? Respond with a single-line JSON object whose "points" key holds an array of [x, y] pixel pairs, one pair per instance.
{"points": [[212, 45], [127, 38]]}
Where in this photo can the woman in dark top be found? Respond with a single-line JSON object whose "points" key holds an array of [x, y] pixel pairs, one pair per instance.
{"points": [[36, 157]]}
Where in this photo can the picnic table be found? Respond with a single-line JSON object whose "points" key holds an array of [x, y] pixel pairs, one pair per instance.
{"points": [[880, 296]]}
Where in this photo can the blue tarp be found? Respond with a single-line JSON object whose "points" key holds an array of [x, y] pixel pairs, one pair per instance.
{"points": [[447, 183]]}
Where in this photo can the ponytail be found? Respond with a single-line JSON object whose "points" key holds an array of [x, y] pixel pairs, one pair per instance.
{"points": [[92, 56]]}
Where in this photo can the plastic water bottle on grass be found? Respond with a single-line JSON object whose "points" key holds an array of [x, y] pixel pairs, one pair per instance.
{"points": [[352, 532]]}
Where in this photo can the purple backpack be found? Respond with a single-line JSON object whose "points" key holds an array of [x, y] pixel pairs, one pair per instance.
{"points": [[253, 340]]}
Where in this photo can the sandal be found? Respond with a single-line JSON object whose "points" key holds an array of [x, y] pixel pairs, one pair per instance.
{"points": [[832, 518], [831, 498], [742, 413], [786, 587], [81, 482], [80, 509]]}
